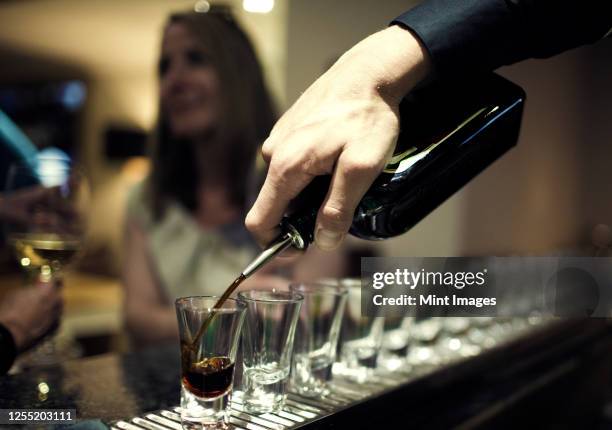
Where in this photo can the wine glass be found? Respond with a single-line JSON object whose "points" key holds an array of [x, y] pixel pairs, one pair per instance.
{"points": [[44, 223]]}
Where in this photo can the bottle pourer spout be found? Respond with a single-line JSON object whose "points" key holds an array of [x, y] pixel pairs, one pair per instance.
{"points": [[287, 239]]}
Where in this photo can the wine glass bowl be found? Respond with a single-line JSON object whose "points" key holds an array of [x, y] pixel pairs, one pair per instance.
{"points": [[45, 226]]}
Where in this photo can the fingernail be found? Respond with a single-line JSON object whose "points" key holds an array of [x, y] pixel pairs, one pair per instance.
{"points": [[327, 240]]}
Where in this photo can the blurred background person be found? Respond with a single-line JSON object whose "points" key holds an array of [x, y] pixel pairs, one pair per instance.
{"points": [[184, 232]]}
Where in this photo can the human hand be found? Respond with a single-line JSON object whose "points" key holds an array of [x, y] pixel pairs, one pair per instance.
{"points": [[346, 124], [31, 313], [39, 207]]}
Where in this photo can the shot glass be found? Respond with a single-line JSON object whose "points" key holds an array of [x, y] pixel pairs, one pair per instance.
{"points": [[396, 342], [209, 341], [317, 337], [267, 347], [360, 337]]}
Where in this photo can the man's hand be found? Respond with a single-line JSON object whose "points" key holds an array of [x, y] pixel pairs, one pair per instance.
{"points": [[346, 124], [32, 312]]}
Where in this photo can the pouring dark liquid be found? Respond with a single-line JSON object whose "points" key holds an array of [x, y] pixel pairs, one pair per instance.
{"points": [[219, 303], [450, 132]]}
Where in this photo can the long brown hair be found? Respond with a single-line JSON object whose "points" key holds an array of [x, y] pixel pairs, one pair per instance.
{"points": [[246, 118]]}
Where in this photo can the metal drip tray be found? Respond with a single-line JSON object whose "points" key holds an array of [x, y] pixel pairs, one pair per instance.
{"points": [[298, 411], [461, 390]]}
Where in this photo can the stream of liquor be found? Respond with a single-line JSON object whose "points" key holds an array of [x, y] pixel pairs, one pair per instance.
{"points": [[228, 292], [282, 242], [209, 376]]}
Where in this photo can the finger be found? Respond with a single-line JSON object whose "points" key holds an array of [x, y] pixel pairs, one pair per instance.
{"points": [[45, 219], [35, 194], [278, 135], [267, 149], [353, 175], [39, 196], [284, 182], [16, 215]]}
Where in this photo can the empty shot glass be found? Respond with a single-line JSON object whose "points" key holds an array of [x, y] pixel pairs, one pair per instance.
{"points": [[267, 347], [209, 341], [360, 337], [317, 337], [396, 341]]}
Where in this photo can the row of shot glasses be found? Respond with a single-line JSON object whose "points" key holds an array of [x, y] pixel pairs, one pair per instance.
{"points": [[302, 339]]}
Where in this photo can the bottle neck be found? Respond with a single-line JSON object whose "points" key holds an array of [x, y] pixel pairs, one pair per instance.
{"points": [[300, 226]]}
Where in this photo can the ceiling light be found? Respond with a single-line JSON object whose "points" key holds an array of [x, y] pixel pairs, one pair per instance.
{"points": [[258, 6]]}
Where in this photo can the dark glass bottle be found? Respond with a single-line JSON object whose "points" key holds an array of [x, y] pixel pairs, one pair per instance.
{"points": [[450, 132]]}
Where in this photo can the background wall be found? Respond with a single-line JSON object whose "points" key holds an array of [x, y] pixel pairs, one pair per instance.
{"points": [[551, 191]]}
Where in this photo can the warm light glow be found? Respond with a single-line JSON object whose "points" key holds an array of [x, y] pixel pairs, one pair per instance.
{"points": [[394, 364], [45, 271], [201, 6], [424, 354], [136, 169], [43, 388], [258, 6], [454, 344], [25, 261], [43, 391]]}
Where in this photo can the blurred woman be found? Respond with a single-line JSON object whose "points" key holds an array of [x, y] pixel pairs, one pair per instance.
{"points": [[184, 232]]}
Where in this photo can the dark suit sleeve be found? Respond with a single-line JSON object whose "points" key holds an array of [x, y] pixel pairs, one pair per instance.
{"points": [[478, 35], [8, 351]]}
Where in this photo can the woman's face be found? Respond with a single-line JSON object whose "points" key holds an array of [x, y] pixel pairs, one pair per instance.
{"points": [[189, 85]]}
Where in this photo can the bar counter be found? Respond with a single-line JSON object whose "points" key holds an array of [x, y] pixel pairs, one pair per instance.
{"points": [[554, 376], [109, 386]]}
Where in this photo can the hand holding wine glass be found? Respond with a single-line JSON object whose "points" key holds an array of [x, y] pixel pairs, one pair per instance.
{"points": [[17, 206], [42, 209]]}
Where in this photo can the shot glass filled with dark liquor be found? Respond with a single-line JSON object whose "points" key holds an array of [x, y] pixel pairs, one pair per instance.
{"points": [[209, 336]]}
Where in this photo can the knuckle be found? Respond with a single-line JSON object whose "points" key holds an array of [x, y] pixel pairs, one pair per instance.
{"points": [[361, 165], [280, 170], [313, 165], [267, 149], [284, 165], [253, 221], [335, 217]]}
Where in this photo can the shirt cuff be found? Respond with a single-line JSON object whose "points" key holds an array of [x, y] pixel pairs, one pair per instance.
{"points": [[464, 36]]}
